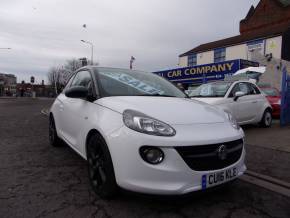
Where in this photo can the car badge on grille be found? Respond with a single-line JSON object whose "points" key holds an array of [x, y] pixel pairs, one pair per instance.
{"points": [[222, 152]]}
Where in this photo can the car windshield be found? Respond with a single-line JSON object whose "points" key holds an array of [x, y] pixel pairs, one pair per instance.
{"points": [[122, 82], [216, 89], [271, 92]]}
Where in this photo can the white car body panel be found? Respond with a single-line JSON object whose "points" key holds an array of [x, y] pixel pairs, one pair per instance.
{"points": [[192, 111], [196, 123], [172, 176], [248, 109]]}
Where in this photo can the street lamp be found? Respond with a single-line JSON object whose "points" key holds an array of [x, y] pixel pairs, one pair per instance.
{"points": [[92, 46]]}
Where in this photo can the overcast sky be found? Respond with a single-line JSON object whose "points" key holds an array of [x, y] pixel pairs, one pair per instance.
{"points": [[44, 33]]}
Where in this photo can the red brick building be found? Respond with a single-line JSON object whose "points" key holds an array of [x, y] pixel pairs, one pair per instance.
{"points": [[268, 14], [265, 29], [41, 90]]}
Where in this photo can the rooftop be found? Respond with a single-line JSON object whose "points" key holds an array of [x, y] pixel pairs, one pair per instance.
{"points": [[259, 33], [239, 39]]}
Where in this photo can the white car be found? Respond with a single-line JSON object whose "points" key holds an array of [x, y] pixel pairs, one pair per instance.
{"points": [[243, 99], [139, 132]]}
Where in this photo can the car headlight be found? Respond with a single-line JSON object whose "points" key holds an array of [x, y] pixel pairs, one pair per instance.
{"points": [[233, 121], [142, 123]]}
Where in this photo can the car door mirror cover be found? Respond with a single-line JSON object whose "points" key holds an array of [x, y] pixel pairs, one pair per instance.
{"points": [[238, 95], [77, 92]]}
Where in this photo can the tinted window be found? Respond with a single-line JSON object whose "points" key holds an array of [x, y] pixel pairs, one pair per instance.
{"points": [[69, 83], [241, 87], [216, 89], [234, 90], [121, 82], [253, 89], [82, 78], [244, 88]]}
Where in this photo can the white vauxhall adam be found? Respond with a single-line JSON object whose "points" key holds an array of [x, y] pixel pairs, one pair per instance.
{"points": [[139, 132], [243, 99]]}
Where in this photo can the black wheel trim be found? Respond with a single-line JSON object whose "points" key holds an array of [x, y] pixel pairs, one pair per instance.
{"points": [[51, 130], [97, 171]]}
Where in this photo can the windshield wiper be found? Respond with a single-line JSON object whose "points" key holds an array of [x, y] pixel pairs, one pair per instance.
{"points": [[158, 95], [206, 96]]}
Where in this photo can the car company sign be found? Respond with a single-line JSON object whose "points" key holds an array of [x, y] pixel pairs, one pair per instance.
{"points": [[202, 73]]}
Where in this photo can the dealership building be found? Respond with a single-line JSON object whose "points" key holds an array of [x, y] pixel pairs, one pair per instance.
{"points": [[265, 29]]}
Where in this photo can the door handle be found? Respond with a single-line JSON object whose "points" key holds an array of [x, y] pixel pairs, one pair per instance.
{"points": [[254, 102]]}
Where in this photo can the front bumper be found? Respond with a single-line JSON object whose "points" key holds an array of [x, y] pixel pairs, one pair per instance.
{"points": [[173, 175]]}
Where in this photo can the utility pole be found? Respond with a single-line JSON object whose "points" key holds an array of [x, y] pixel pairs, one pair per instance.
{"points": [[131, 62], [92, 50]]}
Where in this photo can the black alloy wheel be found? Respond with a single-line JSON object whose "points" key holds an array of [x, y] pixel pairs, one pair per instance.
{"points": [[266, 121], [100, 167]]}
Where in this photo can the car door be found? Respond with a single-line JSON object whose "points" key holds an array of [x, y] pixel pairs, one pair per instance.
{"points": [[59, 104], [242, 108], [76, 110], [258, 101]]}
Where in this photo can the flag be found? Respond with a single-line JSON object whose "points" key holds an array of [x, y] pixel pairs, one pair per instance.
{"points": [[131, 62]]}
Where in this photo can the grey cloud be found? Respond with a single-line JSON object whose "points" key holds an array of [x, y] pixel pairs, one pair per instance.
{"points": [[46, 33]]}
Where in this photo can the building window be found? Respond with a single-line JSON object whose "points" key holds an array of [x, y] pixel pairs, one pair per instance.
{"points": [[219, 55], [192, 60]]}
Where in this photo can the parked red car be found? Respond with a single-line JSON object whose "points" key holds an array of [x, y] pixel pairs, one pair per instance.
{"points": [[274, 98]]}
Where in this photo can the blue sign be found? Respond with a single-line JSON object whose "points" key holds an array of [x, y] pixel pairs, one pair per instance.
{"points": [[204, 73]]}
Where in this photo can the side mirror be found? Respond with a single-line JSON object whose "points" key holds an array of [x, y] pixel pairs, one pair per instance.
{"points": [[238, 95], [77, 92]]}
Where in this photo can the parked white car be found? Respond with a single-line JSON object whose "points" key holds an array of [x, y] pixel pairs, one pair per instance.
{"points": [[139, 132], [243, 99]]}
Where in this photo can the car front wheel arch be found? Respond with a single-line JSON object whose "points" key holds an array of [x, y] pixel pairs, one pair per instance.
{"points": [[100, 166], [54, 140], [267, 118], [91, 133]]}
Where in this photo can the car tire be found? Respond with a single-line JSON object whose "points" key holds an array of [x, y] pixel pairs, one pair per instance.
{"points": [[54, 140], [267, 118], [100, 168]]}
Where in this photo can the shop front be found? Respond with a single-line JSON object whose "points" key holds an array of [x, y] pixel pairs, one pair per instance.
{"points": [[196, 75]]}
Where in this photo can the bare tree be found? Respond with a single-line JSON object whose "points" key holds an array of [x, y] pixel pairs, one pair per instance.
{"points": [[59, 75], [72, 65], [55, 78]]}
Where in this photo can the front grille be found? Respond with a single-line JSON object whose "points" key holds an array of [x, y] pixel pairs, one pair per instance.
{"points": [[206, 157]]}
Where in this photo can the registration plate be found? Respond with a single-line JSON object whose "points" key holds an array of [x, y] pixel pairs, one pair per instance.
{"points": [[213, 179]]}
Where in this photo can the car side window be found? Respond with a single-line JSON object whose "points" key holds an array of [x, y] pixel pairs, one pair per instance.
{"points": [[253, 89], [82, 78], [234, 90], [68, 84], [244, 88]]}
